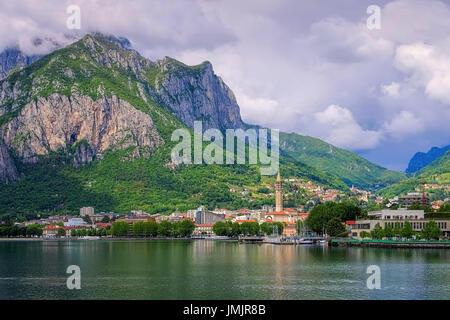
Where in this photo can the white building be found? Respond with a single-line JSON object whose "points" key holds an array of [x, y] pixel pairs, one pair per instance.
{"points": [[75, 222], [86, 211], [401, 213]]}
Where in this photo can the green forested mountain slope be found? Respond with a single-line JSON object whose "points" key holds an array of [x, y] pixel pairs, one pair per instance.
{"points": [[349, 167], [437, 172]]}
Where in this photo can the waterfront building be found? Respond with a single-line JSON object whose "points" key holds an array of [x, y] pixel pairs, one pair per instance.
{"points": [[392, 217], [50, 231], [401, 213], [203, 229]]}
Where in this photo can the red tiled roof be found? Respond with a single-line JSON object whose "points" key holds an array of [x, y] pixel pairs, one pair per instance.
{"points": [[350, 222], [51, 227], [245, 220], [204, 225]]}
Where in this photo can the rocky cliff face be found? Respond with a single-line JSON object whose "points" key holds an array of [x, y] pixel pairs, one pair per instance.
{"points": [[90, 127], [12, 58], [196, 93], [98, 94], [8, 171]]}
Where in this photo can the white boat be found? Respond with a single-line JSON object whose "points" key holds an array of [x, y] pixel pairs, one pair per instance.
{"points": [[89, 238], [305, 241]]}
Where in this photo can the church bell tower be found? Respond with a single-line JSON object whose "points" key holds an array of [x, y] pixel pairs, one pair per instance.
{"points": [[278, 194]]}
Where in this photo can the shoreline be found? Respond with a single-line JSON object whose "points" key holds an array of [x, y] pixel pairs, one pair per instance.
{"points": [[102, 239], [390, 244], [387, 244]]}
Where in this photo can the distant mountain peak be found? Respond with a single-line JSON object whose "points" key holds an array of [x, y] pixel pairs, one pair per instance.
{"points": [[123, 42], [421, 159]]}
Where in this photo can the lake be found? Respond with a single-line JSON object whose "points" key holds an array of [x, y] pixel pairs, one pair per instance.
{"points": [[202, 269]]}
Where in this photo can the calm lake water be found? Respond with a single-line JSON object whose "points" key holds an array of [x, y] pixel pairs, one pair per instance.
{"points": [[217, 270]]}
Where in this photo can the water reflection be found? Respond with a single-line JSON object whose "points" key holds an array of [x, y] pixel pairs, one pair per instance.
{"points": [[217, 270]]}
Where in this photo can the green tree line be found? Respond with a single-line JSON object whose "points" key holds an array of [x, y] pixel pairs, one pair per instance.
{"points": [[234, 229]]}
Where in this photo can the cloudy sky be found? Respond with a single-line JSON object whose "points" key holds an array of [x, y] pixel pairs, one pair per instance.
{"points": [[311, 67]]}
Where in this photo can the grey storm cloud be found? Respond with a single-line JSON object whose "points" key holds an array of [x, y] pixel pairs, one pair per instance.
{"points": [[309, 67]]}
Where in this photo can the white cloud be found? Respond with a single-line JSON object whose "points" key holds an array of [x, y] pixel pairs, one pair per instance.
{"points": [[344, 131], [392, 90], [428, 67], [285, 60], [405, 124]]}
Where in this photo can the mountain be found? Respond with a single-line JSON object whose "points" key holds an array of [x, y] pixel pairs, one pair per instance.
{"points": [[347, 166], [90, 125], [11, 58], [437, 172], [420, 159]]}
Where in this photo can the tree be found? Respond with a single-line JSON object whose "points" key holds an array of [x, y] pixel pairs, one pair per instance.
{"points": [[220, 228], [300, 226], [186, 228], [61, 232], [266, 228], [150, 228], [106, 219], [138, 229], [73, 233], [397, 230], [164, 228], [33, 230], [322, 213], [254, 228], [318, 218], [120, 229], [364, 234], [334, 227], [176, 229], [388, 231], [279, 227], [445, 207], [407, 230], [377, 232], [235, 229], [431, 231], [246, 228]]}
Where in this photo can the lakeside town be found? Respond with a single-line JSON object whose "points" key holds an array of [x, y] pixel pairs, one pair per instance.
{"points": [[412, 211]]}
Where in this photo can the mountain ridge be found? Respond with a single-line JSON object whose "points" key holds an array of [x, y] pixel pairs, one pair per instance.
{"points": [[421, 159], [96, 109]]}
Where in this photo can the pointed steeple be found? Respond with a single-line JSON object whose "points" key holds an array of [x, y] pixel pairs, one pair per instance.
{"points": [[278, 176]]}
